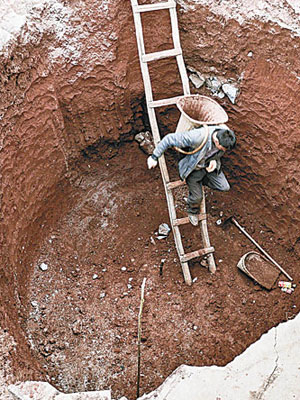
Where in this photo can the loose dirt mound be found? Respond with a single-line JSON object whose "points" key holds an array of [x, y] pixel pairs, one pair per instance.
{"points": [[82, 322]]}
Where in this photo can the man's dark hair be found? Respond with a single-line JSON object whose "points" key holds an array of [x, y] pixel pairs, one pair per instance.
{"points": [[226, 138]]}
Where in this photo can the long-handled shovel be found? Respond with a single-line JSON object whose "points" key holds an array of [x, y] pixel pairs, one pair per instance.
{"points": [[234, 221]]}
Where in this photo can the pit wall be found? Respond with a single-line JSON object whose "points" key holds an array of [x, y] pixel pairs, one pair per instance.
{"points": [[71, 79]]}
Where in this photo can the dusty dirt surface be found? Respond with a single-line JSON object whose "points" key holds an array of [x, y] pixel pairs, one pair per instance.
{"points": [[83, 309], [70, 80]]}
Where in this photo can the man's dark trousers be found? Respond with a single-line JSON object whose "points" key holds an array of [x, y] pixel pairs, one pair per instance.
{"points": [[200, 177]]}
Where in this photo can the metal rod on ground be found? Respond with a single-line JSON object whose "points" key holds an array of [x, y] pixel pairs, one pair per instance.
{"points": [[260, 248], [139, 337]]}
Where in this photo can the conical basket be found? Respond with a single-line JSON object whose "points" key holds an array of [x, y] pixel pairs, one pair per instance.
{"points": [[197, 110]]}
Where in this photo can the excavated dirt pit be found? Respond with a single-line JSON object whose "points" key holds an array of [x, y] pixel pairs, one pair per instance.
{"points": [[82, 310]]}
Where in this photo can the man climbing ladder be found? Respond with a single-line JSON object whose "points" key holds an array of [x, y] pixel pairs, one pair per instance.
{"points": [[202, 166], [151, 106]]}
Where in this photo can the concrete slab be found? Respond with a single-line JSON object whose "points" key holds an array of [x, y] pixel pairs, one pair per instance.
{"points": [[268, 370], [32, 390]]}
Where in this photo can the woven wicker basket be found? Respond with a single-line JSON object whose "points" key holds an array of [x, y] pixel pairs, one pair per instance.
{"points": [[241, 264], [199, 110], [268, 284]]}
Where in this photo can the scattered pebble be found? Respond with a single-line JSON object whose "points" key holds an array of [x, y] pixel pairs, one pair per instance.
{"points": [[164, 229], [195, 280], [104, 270], [129, 286], [196, 80], [250, 54], [77, 328], [220, 260], [43, 267], [230, 91], [152, 240], [195, 327], [123, 269], [218, 222], [34, 303], [213, 84], [102, 295], [145, 141], [95, 276]]}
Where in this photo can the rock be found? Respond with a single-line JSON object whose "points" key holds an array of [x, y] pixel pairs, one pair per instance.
{"points": [[197, 81], [191, 69], [146, 142], [221, 94], [152, 240], [95, 276], [33, 390], [163, 230], [123, 269], [34, 303], [213, 84], [43, 267], [102, 295], [44, 391], [230, 91], [77, 327]]}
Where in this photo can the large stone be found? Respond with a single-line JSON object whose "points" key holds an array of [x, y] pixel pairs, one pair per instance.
{"points": [[32, 390], [267, 370]]}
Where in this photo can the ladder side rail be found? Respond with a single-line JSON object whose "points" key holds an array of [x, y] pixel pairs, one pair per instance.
{"points": [[179, 58], [148, 92], [205, 238], [141, 51], [169, 197]]}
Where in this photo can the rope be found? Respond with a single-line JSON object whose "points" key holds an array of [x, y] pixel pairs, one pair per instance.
{"points": [[199, 147]]}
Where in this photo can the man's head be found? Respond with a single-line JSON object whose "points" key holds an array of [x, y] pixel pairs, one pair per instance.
{"points": [[224, 139]]}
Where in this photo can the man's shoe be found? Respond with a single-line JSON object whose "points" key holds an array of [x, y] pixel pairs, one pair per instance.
{"points": [[193, 218]]}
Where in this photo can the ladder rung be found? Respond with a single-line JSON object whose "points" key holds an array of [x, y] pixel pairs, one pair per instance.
{"points": [[197, 253], [154, 7], [158, 55], [164, 102], [185, 220], [175, 184]]}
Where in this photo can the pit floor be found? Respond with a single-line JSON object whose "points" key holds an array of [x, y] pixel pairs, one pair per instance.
{"points": [[83, 310]]}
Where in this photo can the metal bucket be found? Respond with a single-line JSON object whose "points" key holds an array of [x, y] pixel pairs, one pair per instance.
{"points": [[197, 110]]}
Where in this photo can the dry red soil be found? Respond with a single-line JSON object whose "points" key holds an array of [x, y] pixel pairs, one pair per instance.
{"points": [[85, 207], [83, 310]]}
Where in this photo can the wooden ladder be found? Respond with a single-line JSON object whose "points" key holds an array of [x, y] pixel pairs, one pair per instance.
{"points": [[151, 105]]}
